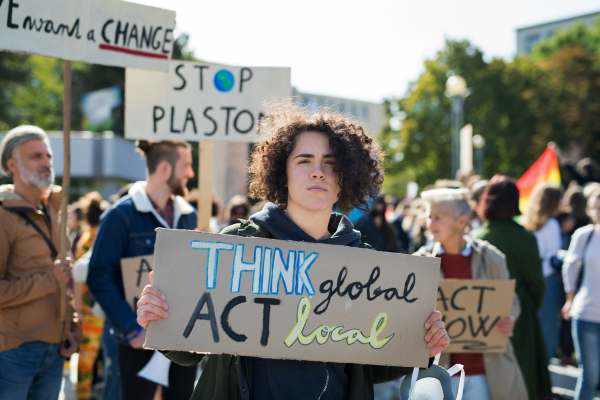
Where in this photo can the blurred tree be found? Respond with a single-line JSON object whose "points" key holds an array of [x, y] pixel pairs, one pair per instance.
{"points": [[496, 109], [518, 107], [14, 72], [579, 35], [31, 88]]}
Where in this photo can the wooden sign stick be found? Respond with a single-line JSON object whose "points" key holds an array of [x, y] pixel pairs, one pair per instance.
{"points": [[64, 200], [205, 174]]}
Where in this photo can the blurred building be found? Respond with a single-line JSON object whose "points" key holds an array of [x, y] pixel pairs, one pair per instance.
{"points": [[99, 161], [369, 114], [528, 36]]}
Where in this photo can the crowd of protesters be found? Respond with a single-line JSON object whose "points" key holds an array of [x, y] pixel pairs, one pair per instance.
{"points": [[551, 249]]}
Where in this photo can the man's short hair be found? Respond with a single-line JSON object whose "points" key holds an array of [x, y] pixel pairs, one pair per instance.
{"points": [[159, 151], [454, 199], [14, 139]]}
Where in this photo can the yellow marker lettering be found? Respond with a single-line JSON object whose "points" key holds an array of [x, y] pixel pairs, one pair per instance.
{"points": [[322, 333]]}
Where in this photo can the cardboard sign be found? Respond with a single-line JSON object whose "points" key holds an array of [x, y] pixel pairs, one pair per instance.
{"points": [[199, 101], [295, 300], [472, 310], [135, 271], [108, 32]]}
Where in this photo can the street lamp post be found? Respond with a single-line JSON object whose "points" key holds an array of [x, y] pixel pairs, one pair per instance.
{"points": [[456, 89], [479, 144]]}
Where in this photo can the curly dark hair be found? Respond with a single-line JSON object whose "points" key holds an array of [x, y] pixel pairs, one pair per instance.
{"points": [[357, 156]]}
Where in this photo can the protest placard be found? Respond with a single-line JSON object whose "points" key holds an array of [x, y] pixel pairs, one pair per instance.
{"points": [[200, 101], [472, 310], [295, 300], [108, 32], [136, 275]]}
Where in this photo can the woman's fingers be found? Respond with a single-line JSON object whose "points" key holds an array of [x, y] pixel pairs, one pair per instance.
{"points": [[437, 326], [437, 337], [149, 289], [152, 309], [152, 299], [436, 316]]}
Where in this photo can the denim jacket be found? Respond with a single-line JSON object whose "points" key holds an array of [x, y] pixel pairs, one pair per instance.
{"points": [[127, 229]]}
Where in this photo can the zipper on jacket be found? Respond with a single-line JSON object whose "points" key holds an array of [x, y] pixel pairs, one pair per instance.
{"points": [[326, 383]]}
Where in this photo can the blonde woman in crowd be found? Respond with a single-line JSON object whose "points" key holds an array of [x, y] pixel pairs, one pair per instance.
{"points": [[539, 220]]}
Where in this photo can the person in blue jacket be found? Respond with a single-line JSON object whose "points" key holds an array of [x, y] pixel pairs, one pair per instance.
{"points": [[307, 166], [128, 230]]}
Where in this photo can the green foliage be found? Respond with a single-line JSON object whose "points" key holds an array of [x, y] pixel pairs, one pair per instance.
{"points": [[39, 101], [14, 72], [31, 89], [518, 107], [579, 35]]}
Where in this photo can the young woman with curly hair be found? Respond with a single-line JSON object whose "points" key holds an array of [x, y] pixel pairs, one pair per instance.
{"points": [[306, 166]]}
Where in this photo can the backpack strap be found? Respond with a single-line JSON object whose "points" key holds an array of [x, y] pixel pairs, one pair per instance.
{"points": [[40, 231]]}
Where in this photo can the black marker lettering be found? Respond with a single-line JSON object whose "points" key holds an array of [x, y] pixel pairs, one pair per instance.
{"points": [[225, 319], [206, 298], [442, 298], [90, 36], [119, 32], [267, 303], [144, 267], [173, 130], [481, 328], [166, 40], [206, 110], [242, 79], [201, 67], [9, 21], [449, 326], [146, 38], [183, 81], [389, 294], [104, 37], [133, 34], [482, 290], [235, 122], [189, 117], [156, 117], [154, 44], [30, 24], [228, 110], [452, 303]]}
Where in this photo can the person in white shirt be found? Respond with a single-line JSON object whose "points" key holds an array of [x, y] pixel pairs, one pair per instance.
{"points": [[539, 219], [581, 275]]}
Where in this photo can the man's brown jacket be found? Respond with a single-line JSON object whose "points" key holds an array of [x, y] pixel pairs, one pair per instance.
{"points": [[29, 291]]}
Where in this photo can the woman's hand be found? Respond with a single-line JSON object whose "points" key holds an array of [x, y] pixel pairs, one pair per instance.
{"points": [[436, 337], [507, 325], [151, 306], [566, 310]]}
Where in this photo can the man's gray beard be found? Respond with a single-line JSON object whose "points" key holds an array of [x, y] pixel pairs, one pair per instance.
{"points": [[33, 178]]}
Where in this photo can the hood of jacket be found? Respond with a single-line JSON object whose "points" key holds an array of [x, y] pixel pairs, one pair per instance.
{"points": [[283, 228], [142, 204]]}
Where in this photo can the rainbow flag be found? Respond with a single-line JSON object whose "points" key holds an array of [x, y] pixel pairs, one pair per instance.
{"points": [[545, 169]]}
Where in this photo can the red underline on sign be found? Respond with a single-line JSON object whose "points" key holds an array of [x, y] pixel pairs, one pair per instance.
{"points": [[133, 52]]}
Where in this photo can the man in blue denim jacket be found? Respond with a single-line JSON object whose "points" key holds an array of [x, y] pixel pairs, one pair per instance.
{"points": [[128, 230]]}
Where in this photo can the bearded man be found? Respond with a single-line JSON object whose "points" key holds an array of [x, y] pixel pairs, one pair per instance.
{"points": [[128, 230], [33, 341]]}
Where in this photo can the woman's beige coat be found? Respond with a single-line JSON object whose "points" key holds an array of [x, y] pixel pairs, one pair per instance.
{"points": [[502, 370]]}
